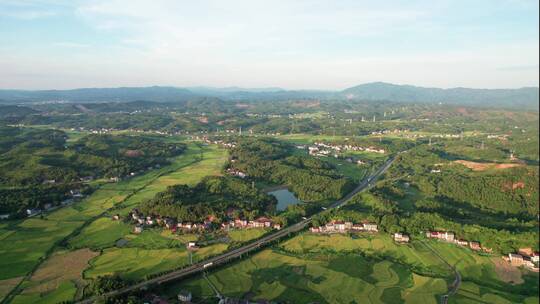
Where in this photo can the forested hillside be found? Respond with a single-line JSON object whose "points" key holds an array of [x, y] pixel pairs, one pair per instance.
{"points": [[309, 178], [215, 197], [39, 167]]}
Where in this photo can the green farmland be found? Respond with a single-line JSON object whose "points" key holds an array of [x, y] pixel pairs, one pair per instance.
{"points": [[368, 269], [87, 224]]}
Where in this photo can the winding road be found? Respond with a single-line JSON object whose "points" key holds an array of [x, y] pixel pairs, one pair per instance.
{"points": [[457, 281], [237, 253]]}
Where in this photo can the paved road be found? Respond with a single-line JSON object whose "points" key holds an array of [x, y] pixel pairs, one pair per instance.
{"points": [[237, 253], [457, 281]]}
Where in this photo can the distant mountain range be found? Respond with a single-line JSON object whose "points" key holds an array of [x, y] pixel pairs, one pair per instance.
{"points": [[513, 98]]}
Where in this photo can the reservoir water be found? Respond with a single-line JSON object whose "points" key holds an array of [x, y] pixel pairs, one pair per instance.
{"points": [[284, 198]]}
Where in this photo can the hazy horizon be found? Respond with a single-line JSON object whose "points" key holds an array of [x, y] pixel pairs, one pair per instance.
{"points": [[241, 87], [323, 45]]}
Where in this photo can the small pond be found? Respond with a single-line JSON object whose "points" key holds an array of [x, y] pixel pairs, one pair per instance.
{"points": [[284, 198]]}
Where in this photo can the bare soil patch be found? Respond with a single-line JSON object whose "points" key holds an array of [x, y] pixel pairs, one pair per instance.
{"points": [[484, 166], [133, 153], [66, 266], [506, 272]]}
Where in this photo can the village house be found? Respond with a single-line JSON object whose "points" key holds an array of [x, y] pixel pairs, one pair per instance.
{"points": [[535, 257], [474, 245], [32, 212], [187, 225], [184, 296], [238, 223], [87, 179], [462, 242], [370, 227], [315, 229], [445, 236], [487, 249], [116, 217], [236, 172], [357, 227], [529, 253], [401, 238], [515, 259], [76, 193], [262, 222], [138, 229], [527, 262], [339, 226], [169, 223]]}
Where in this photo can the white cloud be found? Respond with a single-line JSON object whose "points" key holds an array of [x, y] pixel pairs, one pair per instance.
{"points": [[293, 44]]}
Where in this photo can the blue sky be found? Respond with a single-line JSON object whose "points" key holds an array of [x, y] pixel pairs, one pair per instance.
{"points": [[294, 44]]}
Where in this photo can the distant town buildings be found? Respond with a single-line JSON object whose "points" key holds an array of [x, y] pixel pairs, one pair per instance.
{"points": [[324, 149]]}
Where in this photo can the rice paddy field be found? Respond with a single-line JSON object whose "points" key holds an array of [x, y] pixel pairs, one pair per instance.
{"points": [[367, 269], [87, 224], [57, 279], [245, 235], [136, 263], [270, 275]]}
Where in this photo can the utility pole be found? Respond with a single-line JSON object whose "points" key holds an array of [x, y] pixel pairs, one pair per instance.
{"points": [[373, 118], [430, 141], [240, 130], [482, 146]]}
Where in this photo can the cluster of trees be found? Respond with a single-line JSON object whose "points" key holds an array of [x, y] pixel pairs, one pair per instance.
{"points": [[511, 191], [104, 284], [17, 200], [121, 155], [220, 197], [271, 160]]}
